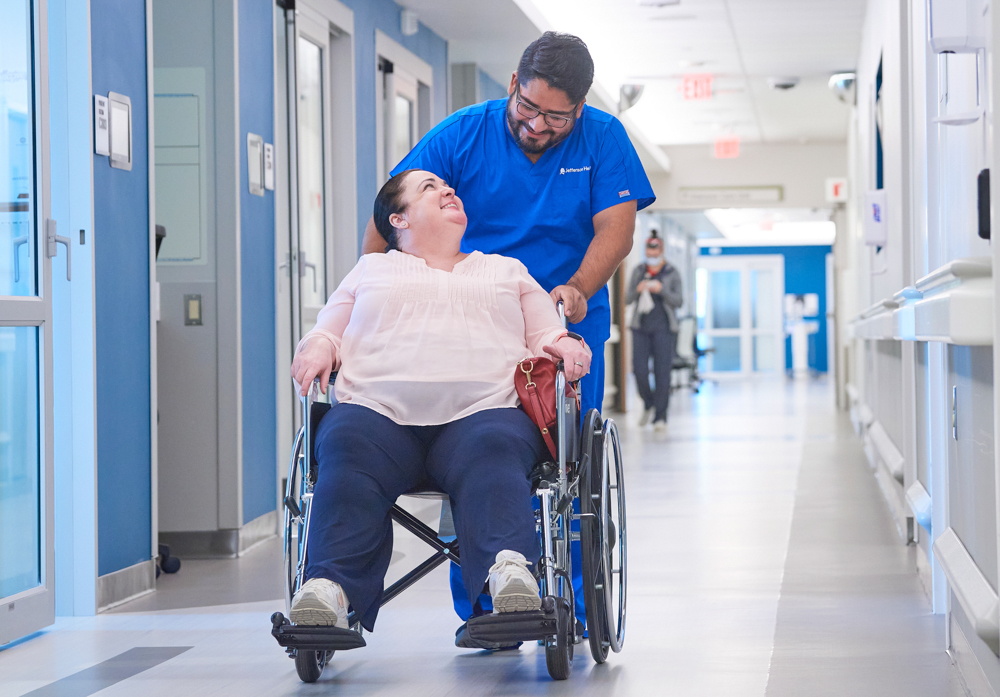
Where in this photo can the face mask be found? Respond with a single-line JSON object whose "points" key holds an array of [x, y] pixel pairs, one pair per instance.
{"points": [[652, 261]]}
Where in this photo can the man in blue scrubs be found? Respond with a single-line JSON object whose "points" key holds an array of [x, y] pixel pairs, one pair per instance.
{"points": [[547, 180]]}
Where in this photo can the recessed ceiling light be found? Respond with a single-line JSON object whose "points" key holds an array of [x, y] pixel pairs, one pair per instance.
{"points": [[658, 3]]}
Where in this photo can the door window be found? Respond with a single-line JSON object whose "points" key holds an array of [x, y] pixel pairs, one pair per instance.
{"points": [[17, 139], [312, 180]]}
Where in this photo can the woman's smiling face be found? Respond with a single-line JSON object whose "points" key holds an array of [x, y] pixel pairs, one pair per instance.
{"points": [[431, 206]]}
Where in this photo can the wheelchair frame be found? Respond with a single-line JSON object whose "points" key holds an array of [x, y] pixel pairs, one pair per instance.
{"points": [[602, 534]]}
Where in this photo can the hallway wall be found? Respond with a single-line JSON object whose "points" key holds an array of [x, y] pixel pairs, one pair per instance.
{"points": [[121, 262], [918, 343], [257, 264]]}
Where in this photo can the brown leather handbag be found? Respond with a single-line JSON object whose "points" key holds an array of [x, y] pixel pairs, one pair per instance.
{"points": [[535, 382]]}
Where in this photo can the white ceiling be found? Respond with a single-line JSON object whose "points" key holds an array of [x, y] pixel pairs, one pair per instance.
{"points": [[740, 42], [490, 33]]}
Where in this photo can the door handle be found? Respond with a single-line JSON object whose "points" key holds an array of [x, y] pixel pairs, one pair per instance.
{"points": [[303, 265], [52, 242], [18, 241]]}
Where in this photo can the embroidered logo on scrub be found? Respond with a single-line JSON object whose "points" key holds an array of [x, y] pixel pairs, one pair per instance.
{"points": [[571, 170], [623, 194]]}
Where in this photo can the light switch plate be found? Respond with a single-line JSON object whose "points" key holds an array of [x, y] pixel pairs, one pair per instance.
{"points": [[192, 310], [101, 131]]}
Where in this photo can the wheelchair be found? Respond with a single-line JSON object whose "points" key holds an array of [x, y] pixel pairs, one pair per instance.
{"points": [[588, 471]]}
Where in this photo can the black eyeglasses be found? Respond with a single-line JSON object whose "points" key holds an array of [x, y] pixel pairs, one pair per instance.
{"points": [[530, 112]]}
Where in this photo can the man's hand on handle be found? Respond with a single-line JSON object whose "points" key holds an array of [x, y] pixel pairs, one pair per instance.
{"points": [[314, 360], [574, 302]]}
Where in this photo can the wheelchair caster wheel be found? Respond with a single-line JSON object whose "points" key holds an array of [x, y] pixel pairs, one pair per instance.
{"points": [[310, 664], [559, 649]]}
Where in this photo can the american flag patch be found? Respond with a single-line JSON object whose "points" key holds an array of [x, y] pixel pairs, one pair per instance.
{"points": [[623, 194]]}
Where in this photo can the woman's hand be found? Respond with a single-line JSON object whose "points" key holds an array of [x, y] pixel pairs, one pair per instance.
{"points": [[654, 286], [575, 357], [314, 359]]}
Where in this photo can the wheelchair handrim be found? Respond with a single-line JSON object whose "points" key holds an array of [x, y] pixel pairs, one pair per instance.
{"points": [[612, 453]]}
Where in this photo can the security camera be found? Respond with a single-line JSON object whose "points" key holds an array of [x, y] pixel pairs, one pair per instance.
{"points": [[782, 83], [843, 87]]}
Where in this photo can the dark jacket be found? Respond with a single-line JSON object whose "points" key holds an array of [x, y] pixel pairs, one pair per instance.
{"points": [[670, 297]]}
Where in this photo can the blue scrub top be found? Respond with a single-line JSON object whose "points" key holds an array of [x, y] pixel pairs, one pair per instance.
{"points": [[541, 213]]}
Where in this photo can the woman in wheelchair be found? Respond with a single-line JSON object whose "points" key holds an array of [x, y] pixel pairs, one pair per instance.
{"points": [[425, 340]]}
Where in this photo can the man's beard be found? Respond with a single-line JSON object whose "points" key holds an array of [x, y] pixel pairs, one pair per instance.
{"points": [[526, 145]]}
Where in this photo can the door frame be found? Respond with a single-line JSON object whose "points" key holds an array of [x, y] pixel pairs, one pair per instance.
{"points": [[340, 183], [387, 50], [33, 609], [745, 263]]}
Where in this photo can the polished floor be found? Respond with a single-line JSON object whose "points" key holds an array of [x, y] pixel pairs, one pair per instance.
{"points": [[762, 561]]}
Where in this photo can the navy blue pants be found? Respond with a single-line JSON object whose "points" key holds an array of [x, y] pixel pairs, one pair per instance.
{"points": [[595, 333], [366, 461]]}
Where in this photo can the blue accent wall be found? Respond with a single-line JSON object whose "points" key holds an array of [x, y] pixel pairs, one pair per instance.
{"points": [[805, 272], [257, 264], [121, 267], [383, 15], [490, 88]]}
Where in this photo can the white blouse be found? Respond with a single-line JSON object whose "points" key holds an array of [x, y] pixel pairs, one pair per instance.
{"points": [[424, 346]]}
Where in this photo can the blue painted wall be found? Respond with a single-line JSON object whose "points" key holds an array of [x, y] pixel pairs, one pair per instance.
{"points": [[490, 88], [121, 267], [370, 15], [805, 272], [257, 264]]}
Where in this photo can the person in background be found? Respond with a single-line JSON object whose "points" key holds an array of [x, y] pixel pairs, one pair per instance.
{"points": [[655, 287]]}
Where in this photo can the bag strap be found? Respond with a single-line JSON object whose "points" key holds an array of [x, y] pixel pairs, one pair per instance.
{"points": [[536, 407]]}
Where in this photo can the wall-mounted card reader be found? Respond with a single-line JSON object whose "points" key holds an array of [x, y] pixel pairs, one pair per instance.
{"points": [[192, 310], [268, 166], [120, 110]]}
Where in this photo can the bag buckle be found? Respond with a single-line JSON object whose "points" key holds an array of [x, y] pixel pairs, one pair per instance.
{"points": [[527, 372]]}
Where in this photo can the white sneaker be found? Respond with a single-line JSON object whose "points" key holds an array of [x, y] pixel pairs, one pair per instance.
{"points": [[647, 415], [320, 602], [660, 426], [512, 586]]}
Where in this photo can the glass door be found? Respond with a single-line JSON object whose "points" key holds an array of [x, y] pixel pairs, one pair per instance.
{"points": [[26, 525], [312, 198], [310, 115], [739, 310]]}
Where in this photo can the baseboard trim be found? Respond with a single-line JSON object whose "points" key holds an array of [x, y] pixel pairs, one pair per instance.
{"points": [[892, 492], [973, 676], [258, 530], [126, 584], [221, 544]]}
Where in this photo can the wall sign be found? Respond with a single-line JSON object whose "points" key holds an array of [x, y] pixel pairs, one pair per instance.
{"points": [[102, 143], [874, 221]]}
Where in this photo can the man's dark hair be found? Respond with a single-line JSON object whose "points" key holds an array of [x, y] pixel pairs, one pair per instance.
{"points": [[388, 202], [562, 60]]}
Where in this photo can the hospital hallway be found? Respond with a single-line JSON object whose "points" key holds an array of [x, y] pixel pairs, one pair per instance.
{"points": [[763, 560]]}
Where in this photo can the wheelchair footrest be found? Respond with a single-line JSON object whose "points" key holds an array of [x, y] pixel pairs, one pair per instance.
{"points": [[314, 637], [511, 627]]}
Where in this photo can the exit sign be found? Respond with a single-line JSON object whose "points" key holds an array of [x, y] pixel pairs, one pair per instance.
{"points": [[696, 86], [836, 190], [727, 147]]}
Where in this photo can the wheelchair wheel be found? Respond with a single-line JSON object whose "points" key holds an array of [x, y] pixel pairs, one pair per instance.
{"points": [[310, 664], [559, 649], [602, 536]]}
